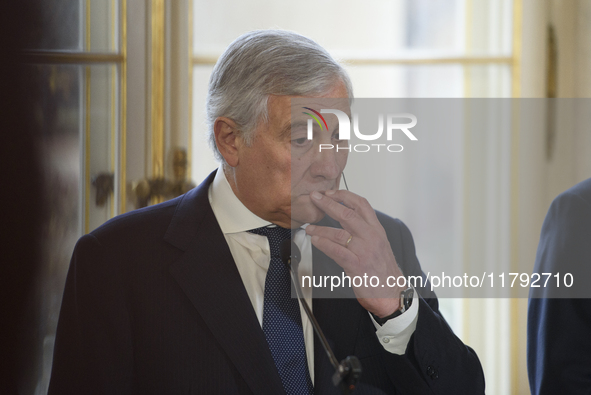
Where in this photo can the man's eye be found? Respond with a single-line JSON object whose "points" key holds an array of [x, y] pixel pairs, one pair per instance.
{"points": [[300, 141]]}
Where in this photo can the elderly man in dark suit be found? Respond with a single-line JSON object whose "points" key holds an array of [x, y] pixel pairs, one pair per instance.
{"points": [[189, 296]]}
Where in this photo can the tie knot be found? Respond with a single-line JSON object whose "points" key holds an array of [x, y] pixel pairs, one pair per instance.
{"points": [[275, 234]]}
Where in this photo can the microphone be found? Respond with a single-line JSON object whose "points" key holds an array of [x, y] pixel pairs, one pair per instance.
{"points": [[348, 371]]}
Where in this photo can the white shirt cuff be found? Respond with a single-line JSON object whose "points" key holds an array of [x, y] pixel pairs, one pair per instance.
{"points": [[395, 334]]}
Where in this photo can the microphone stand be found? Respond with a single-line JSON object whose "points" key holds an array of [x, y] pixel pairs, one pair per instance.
{"points": [[348, 371]]}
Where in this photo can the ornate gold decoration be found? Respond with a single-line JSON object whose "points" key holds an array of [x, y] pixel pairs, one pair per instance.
{"points": [[158, 189]]}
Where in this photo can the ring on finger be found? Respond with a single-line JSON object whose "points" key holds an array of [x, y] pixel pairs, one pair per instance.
{"points": [[348, 241]]}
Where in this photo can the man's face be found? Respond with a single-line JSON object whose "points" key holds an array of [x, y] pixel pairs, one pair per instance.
{"points": [[276, 174]]}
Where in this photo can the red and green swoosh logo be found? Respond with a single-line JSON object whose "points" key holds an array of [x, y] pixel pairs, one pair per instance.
{"points": [[316, 117]]}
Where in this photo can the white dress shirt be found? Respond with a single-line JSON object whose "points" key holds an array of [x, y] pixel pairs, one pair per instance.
{"points": [[251, 254]]}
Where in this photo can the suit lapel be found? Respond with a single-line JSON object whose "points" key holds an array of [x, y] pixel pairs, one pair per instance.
{"points": [[208, 275]]}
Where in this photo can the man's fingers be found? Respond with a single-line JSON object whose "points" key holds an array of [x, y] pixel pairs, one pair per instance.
{"points": [[341, 255], [356, 202], [347, 200], [339, 236], [351, 220]]}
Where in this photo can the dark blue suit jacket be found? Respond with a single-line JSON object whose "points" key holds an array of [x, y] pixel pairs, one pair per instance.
{"points": [[559, 330], [154, 304]]}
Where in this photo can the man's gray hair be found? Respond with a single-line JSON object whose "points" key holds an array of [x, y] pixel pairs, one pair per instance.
{"points": [[262, 63]]}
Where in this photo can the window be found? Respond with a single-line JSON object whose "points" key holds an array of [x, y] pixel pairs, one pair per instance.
{"points": [[77, 58]]}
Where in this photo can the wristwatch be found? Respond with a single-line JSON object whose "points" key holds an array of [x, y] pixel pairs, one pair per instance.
{"points": [[406, 298]]}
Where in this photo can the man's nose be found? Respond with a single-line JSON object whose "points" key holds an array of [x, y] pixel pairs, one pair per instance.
{"points": [[326, 164]]}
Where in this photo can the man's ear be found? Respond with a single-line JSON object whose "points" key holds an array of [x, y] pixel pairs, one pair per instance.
{"points": [[227, 140]]}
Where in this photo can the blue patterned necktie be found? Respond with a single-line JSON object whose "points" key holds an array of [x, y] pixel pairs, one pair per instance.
{"points": [[282, 323]]}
